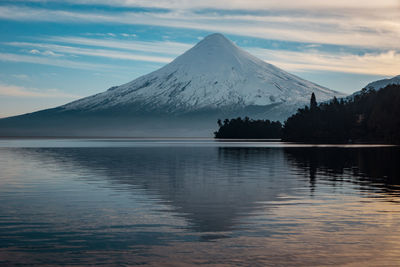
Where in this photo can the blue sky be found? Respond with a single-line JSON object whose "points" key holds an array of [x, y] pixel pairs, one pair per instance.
{"points": [[53, 52]]}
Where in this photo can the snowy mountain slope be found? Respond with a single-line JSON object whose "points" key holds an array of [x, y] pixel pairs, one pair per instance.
{"points": [[376, 85], [214, 79], [383, 83], [213, 74]]}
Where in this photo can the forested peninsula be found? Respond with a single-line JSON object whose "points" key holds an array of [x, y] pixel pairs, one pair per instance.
{"points": [[368, 116]]}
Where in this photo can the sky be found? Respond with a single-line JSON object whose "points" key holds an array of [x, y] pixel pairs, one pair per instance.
{"points": [[56, 51]]}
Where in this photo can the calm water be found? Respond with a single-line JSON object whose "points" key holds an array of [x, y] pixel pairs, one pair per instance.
{"points": [[187, 202]]}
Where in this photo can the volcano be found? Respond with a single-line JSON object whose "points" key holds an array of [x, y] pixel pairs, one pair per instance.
{"points": [[213, 80]]}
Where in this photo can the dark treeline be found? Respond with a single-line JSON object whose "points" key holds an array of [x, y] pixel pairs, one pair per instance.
{"points": [[370, 116], [248, 129]]}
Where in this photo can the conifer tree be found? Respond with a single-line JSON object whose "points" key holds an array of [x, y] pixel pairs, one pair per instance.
{"points": [[313, 102]]}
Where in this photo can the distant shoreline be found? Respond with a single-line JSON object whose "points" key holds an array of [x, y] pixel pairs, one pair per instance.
{"points": [[206, 140]]}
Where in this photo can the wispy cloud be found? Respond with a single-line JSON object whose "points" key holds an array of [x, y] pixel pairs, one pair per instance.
{"points": [[34, 52], [64, 63], [110, 34], [361, 27], [378, 63], [385, 63], [167, 47], [19, 91], [21, 76], [232, 4], [128, 35], [44, 53], [95, 52]]}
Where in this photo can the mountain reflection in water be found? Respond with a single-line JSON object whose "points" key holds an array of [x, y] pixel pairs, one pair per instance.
{"points": [[199, 205]]}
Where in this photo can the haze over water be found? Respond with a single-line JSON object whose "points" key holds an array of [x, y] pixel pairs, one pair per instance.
{"points": [[186, 202]]}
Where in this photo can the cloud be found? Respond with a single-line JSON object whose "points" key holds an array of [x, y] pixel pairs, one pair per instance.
{"points": [[63, 63], [109, 34], [96, 52], [384, 63], [21, 76], [51, 53], [361, 27], [45, 53], [238, 4], [378, 63], [372, 26], [166, 47], [128, 35], [34, 51], [19, 91]]}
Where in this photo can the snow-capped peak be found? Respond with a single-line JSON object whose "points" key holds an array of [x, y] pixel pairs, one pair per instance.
{"points": [[214, 55], [214, 74]]}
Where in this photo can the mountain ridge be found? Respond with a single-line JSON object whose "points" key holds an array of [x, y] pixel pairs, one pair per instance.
{"points": [[379, 84], [376, 85]]}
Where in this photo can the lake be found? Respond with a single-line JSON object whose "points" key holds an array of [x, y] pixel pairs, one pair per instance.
{"points": [[185, 202]]}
